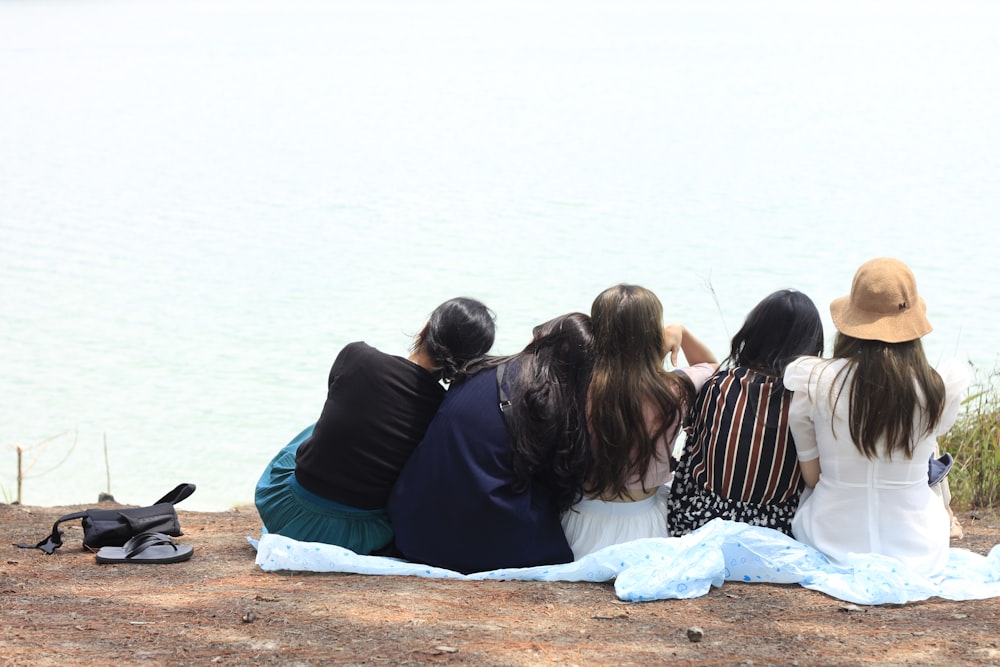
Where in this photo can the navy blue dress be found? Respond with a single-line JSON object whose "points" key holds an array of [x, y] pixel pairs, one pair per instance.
{"points": [[453, 505]]}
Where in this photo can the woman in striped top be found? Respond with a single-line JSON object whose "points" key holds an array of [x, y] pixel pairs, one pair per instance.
{"points": [[739, 461]]}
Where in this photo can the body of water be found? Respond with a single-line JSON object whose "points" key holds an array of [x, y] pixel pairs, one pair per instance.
{"points": [[202, 201]]}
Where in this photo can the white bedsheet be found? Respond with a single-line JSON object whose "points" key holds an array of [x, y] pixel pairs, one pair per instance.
{"points": [[687, 567]]}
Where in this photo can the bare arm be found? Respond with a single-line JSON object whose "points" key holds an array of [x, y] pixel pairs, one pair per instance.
{"points": [[810, 472], [676, 337], [803, 430]]}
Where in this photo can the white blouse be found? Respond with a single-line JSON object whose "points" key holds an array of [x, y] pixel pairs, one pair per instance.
{"points": [[860, 505]]}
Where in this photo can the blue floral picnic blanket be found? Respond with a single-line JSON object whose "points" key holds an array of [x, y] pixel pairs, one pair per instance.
{"points": [[688, 566]]}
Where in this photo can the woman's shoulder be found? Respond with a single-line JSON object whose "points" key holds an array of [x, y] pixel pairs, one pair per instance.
{"points": [[357, 348], [805, 372], [359, 356], [359, 351], [956, 375], [698, 374]]}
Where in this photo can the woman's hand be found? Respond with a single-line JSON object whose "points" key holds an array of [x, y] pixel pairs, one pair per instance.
{"points": [[673, 336], [676, 338]]}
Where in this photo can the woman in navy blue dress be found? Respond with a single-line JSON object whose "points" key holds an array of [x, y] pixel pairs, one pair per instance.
{"points": [[503, 458]]}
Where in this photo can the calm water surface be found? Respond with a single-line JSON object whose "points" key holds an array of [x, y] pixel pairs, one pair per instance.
{"points": [[202, 202]]}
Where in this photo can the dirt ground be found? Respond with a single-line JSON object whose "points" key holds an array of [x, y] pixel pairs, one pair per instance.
{"points": [[219, 608]]}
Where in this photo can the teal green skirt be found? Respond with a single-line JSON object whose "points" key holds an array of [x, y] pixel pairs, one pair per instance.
{"points": [[290, 510]]}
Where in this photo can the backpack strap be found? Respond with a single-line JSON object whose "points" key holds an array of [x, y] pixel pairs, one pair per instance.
{"points": [[54, 540], [180, 492], [504, 398]]}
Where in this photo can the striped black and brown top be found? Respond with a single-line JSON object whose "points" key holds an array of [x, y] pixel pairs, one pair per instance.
{"points": [[739, 442]]}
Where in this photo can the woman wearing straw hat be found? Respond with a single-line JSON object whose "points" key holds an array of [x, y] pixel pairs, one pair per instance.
{"points": [[866, 423]]}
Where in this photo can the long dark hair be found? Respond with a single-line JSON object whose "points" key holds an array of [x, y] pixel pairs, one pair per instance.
{"points": [[629, 376], [783, 326], [547, 417], [458, 333], [891, 382]]}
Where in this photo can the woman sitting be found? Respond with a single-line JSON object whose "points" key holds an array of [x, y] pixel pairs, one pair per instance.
{"points": [[635, 409], [331, 482], [865, 424], [739, 460], [503, 458]]}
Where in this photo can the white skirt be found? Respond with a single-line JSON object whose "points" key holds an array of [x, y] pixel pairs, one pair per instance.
{"points": [[593, 524]]}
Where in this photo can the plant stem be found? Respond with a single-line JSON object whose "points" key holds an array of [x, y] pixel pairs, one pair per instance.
{"points": [[107, 465]]}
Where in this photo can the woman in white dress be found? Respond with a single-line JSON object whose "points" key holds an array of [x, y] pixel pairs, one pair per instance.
{"points": [[635, 407], [866, 423]]}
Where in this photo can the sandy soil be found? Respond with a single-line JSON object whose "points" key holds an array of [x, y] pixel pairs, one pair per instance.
{"points": [[219, 608]]}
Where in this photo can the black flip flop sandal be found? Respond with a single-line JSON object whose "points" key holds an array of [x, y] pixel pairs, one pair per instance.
{"points": [[146, 548]]}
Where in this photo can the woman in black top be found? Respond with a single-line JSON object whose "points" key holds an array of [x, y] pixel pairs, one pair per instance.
{"points": [[331, 482]]}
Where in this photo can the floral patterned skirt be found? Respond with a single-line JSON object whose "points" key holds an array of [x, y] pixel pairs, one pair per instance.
{"points": [[691, 506]]}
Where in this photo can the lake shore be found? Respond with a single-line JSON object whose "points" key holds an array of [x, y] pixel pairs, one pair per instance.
{"points": [[220, 608]]}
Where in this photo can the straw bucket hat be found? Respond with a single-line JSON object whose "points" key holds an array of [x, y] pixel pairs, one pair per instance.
{"points": [[883, 304]]}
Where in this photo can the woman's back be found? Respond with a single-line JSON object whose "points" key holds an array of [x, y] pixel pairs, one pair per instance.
{"points": [[377, 408], [879, 505], [739, 460], [330, 483], [635, 409], [485, 487], [454, 504]]}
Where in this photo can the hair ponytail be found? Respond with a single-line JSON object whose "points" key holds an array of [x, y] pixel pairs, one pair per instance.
{"points": [[459, 332]]}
